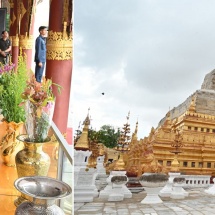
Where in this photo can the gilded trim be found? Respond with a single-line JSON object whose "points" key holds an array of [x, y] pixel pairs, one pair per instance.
{"points": [[59, 45], [15, 40], [22, 10], [26, 42]]}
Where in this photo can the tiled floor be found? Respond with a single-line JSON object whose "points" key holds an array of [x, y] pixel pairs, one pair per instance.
{"points": [[197, 203]]}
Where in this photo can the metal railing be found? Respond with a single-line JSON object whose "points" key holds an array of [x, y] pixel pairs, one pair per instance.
{"points": [[64, 167]]}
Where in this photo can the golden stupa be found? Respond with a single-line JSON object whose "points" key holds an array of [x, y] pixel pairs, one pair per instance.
{"points": [[82, 141], [195, 119]]}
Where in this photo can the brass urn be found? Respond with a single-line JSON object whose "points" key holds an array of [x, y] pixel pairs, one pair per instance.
{"points": [[31, 161]]}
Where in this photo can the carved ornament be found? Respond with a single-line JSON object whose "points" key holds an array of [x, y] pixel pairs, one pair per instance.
{"points": [[25, 41], [15, 40], [13, 19], [59, 46], [22, 10]]}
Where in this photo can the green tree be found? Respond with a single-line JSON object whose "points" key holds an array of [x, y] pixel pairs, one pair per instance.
{"points": [[108, 136]]}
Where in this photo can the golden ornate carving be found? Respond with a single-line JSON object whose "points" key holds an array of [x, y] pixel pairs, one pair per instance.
{"points": [[13, 19], [11, 5], [30, 15], [9, 145], [25, 41], [15, 40], [65, 10], [22, 10], [59, 45]]}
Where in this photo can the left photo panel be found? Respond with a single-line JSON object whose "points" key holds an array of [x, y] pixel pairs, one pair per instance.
{"points": [[36, 64]]}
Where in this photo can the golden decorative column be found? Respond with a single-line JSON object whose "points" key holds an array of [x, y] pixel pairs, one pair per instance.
{"points": [[26, 15], [177, 145], [123, 146], [14, 30], [59, 57]]}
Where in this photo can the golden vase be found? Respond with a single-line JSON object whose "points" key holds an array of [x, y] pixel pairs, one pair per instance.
{"points": [[31, 161], [9, 145]]}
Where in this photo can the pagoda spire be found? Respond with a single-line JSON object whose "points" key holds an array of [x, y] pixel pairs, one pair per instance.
{"points": [[123, 145], [134, 135], [83, 142]]}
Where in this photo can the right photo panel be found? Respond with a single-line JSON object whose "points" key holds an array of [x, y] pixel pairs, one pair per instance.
{"points": [[143, 107]]}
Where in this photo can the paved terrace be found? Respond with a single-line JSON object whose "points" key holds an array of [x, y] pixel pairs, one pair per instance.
{"points": [[197, 203]]}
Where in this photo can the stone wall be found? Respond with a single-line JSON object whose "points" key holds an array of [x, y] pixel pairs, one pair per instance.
{"points": [[209, 81]]}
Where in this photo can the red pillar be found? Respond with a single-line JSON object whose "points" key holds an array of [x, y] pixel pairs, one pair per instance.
{"points": [[59, 57], [14, 22], [27, 12]]}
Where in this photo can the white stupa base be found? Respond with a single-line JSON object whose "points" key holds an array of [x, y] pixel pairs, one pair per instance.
{"points": [[114, 192], [177, 193], [211, 190], [167, 190], [186, 194], [152, 195], [115, 197], [84, 194]]}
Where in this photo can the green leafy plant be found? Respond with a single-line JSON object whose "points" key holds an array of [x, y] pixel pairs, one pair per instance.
{"points": [[12, 84], [106, 135]]}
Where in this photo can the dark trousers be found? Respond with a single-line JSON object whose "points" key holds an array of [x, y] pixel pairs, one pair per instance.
{"points": [[3, 60], [39, 72]]}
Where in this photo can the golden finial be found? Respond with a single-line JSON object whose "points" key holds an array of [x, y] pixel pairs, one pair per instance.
{"points": [[64, 30]]}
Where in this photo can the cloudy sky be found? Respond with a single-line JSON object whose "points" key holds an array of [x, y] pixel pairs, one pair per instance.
{"points": [[145, 55]]}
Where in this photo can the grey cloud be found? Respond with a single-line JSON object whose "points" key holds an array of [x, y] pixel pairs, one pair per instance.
{"points": [[167, 45]]}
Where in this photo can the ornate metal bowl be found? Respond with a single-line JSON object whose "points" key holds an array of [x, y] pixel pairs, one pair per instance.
{"points": [[41, 187], [41, 192]]}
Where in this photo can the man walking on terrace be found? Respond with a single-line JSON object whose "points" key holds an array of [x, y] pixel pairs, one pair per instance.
{"points": [[40, 53]]}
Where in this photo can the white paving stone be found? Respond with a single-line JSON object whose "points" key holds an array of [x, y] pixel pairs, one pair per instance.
{"points": [[202, 204]]}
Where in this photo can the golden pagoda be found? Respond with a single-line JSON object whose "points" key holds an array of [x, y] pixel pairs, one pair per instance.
{"points": [[123, 146], [195, 119], [134, 138], [83, 142]]}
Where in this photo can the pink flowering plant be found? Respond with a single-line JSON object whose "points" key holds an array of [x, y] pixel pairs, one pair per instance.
{"points": [[39, 101], [7, 68], [12, 84]]}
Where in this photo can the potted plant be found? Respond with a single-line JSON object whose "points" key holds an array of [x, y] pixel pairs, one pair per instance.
{"points": [[12, 84], [38, 101]]}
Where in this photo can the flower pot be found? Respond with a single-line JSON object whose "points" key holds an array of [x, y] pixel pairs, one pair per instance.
{"points": [[119, 180], [41, 192], [9, 144], [152, 184]]}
